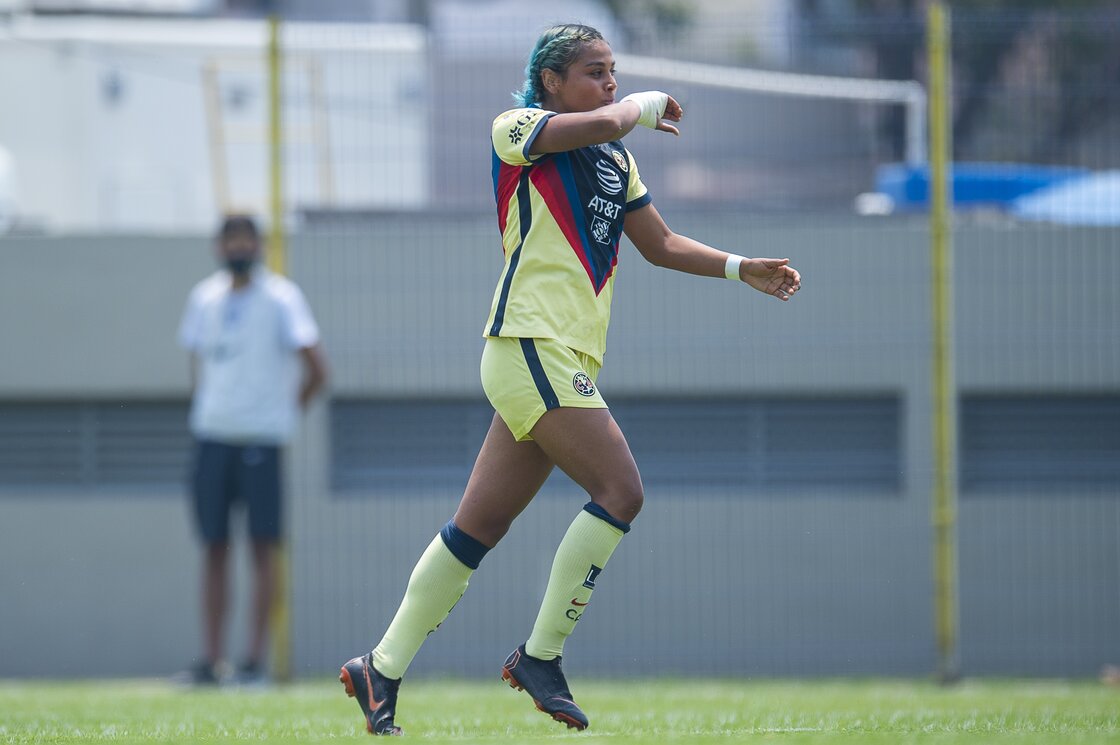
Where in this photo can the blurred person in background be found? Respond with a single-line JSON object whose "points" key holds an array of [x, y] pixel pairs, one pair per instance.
{"points": [[256, 362], [566, 188]]}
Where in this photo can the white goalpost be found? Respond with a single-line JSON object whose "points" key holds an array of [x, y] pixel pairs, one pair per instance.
{"points": [[908, 93]]}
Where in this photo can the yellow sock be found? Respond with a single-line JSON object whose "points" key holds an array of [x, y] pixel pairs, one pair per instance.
{"points": [[589, 542], [436, 584]]}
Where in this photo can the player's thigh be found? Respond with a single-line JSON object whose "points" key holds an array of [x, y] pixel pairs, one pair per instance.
{"points": [[212, 489], [588, 445], [259, 483], [507, 474], [544, 389]]}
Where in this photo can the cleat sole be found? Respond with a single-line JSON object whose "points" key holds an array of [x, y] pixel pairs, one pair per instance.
{"points": [[507, 676], [575, 724], [572, 723], [344, 679], [348, 684], [563, 718]]}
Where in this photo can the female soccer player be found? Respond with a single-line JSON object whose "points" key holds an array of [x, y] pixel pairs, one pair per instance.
{"points": [[566, 189]]}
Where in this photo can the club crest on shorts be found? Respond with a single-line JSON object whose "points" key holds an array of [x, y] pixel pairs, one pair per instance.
{"points": [[583, 384]]}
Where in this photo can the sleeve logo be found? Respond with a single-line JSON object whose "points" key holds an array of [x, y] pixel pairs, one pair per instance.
{"points": [[517, 131]]}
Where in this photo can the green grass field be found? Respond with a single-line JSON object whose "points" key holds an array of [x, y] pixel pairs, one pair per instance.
{"points": [[624, 712]]}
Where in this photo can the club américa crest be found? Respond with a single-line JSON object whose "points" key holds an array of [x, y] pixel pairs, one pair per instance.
{"points": [[583, 384], [620, 159]]}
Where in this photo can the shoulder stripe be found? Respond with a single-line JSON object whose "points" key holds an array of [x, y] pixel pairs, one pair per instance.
{"points": [[525, 214], [505, 184]]}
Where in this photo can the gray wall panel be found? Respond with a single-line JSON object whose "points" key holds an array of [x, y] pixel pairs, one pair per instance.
{"points": [[96, 316], [714, 582]]}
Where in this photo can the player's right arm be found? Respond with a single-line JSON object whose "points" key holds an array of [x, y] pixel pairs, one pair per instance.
{"points": [[564, 132], [522, 136]]}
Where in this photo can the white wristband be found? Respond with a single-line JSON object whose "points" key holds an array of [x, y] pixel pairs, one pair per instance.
{"points": [[652, 105], [731, 268]]}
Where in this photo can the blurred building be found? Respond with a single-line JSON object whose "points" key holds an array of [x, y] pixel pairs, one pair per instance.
{"points": [[155, 124], [379, 115]]}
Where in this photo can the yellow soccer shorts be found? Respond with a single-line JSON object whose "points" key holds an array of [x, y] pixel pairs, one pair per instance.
{"points": [[524, 378]]}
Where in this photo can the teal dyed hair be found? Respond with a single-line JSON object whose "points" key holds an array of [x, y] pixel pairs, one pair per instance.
{"points": [[556, 49]]}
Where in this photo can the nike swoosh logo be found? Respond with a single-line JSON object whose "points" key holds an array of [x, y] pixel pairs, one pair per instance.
{"points": [[374, 704], [576, 602]]}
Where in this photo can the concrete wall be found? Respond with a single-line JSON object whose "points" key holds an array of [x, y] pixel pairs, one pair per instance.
{"points": [[710, 581]]}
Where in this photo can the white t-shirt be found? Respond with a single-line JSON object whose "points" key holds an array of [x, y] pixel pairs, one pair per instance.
{"points": [[247, 343]]}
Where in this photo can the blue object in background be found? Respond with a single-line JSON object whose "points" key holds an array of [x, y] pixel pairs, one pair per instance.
{"points": [[1093, 199], [973, 184]]}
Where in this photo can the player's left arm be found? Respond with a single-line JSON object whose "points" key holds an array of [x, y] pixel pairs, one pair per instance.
{"points": [[301, 333], [662, 247], [314, 373]]}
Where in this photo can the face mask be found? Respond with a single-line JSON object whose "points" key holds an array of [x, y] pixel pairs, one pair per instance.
{"points": [[239, 265]]}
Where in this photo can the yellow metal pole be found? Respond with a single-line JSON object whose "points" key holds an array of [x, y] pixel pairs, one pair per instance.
{"points": [[215, 125], [320, 132], [278, 261], [277, 244], [944, 502]]}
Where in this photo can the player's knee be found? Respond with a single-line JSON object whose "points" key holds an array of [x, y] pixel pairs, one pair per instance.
{"points": [[492, 532], [484, 527], [624, 502], [633, 503]]}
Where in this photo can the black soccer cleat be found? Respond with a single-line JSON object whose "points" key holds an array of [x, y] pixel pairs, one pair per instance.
{"points": [[544, 681], [376, 694]]}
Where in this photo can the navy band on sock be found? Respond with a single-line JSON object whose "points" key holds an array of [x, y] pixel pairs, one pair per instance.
{"points": [[466, 549], [606, 517]]}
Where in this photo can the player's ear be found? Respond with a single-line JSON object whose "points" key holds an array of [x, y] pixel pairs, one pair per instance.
{"points": [[550, 80]]}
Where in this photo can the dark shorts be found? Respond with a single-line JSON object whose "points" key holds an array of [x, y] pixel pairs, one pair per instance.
{"points": [[226, 475]]}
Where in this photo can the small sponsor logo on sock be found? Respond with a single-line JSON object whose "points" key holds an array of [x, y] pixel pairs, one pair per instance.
{"points": [[592, 575]]}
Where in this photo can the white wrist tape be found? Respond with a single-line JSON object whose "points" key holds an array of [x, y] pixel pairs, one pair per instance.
{"points": [[731, 268], [652, 104]]}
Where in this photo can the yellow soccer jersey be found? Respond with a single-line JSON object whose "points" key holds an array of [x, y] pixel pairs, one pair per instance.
{"points": [[560, 216]]}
